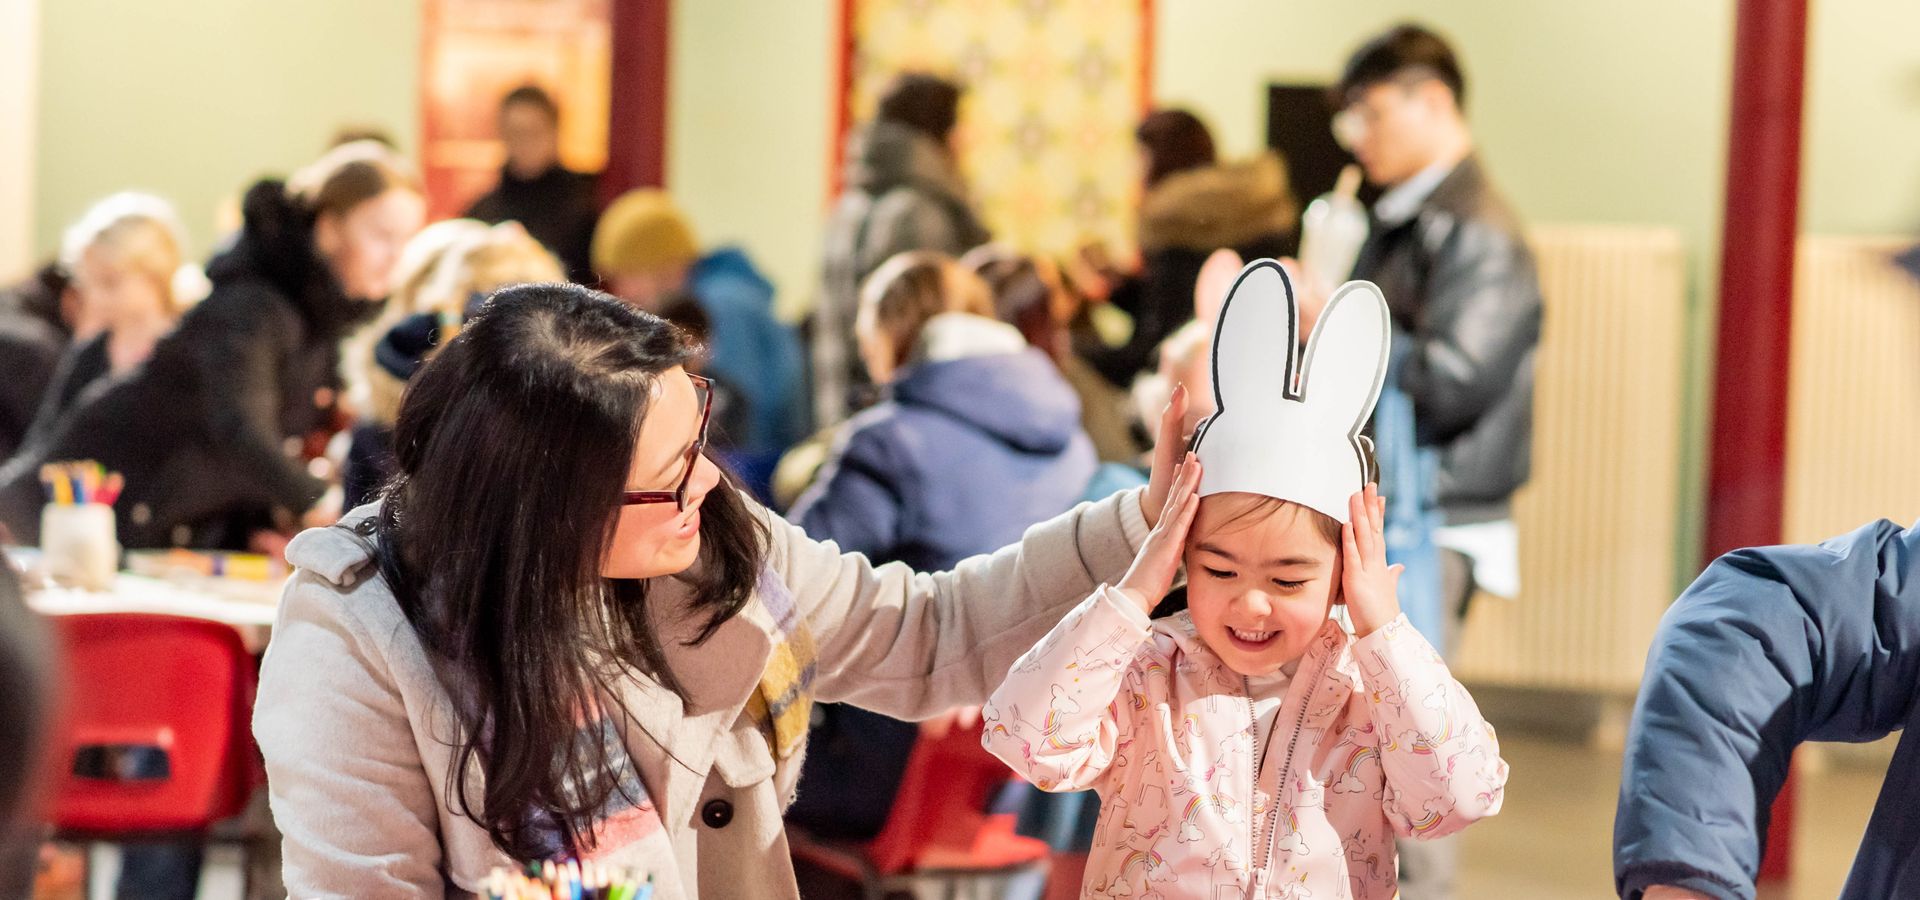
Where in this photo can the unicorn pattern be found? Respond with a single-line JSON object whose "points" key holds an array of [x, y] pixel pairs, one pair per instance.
{"points": [[1401, 749]]}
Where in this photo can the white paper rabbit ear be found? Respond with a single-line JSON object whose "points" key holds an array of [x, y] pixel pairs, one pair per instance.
{"points": [[1256, 339], [1293, 438], [1346, 360]]}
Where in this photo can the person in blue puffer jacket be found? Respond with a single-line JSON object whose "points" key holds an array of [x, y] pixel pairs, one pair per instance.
{"points": [[1771, 647], [978, 439], [645, 252]]}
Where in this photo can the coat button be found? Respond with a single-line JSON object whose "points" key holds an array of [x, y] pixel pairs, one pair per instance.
{"points": [[717, 813]]}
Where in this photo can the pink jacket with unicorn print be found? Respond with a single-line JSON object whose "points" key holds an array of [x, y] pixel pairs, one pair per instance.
{"points": [[1374, 738]]}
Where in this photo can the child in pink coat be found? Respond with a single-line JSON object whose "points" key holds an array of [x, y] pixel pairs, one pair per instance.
{"points": [[1250, 746]]}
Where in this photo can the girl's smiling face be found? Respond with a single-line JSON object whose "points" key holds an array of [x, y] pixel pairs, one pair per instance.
{"points": [[1262, 578]]}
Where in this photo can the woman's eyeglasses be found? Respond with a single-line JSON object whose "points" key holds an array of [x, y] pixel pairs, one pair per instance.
{"points": [[703, 391]]}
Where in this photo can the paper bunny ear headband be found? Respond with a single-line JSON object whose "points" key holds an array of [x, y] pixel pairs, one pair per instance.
{"points": [[1288, 424]]}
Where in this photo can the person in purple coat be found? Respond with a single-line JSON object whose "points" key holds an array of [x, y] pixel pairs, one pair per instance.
{"points": [[978, 439]]}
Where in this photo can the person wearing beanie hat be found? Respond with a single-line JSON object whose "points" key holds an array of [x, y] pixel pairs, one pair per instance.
{"points": [[645, 252], [643, 248]]}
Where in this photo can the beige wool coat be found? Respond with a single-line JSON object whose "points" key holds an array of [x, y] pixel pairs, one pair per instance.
{"points": [[356, 729]]}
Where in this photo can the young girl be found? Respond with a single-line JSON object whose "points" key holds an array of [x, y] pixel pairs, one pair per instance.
{"points": [[1251, 746]]}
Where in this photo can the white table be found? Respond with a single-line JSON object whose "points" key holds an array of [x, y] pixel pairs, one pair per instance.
{"points": [[247, 605]]}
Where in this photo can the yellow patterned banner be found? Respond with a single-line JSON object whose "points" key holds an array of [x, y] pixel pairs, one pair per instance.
{"points": [[1054, 91]]}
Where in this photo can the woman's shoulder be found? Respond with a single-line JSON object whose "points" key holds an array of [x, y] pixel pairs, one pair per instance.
{"points": [[336, 581]]}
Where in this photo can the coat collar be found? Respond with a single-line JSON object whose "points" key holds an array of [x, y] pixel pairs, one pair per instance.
{"points": [[719, 676]]}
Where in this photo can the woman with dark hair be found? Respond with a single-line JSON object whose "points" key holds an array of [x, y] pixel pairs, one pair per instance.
{"points": [[1172, 141], [565, 632], [1193, 205]]}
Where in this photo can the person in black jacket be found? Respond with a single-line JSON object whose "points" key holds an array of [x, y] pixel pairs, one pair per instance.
{"points": [[38, 317], [202, 432], [1193, 205], [1449, 255], [555, 204]]}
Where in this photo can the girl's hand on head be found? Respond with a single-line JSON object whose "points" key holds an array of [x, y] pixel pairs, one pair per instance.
{"points": [[1368, 586], [1169, 448], [1153, 571]]}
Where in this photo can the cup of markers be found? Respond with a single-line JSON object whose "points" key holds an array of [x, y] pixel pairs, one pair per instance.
{"points": [[568, 880], [78, 542]]}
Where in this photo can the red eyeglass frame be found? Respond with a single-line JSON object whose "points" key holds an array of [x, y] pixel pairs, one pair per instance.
{"points": [[678, 496]]}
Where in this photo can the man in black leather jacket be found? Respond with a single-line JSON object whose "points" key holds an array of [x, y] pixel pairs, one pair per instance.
{"points": [[1449, 255]]}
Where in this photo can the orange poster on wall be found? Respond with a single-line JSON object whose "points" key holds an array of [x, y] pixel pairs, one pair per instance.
{"points": [[475, 51]]}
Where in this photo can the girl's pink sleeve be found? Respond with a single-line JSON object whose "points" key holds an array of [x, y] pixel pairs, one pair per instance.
{"points": [[1063, 710], [1441, 758]]}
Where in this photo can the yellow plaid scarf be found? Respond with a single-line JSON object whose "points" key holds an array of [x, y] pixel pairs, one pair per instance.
{"points": [[783, 704]]}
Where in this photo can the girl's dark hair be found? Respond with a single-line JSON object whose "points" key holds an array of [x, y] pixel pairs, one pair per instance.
{"points": [[1246, 507], [513, 446], [1175, 141]]}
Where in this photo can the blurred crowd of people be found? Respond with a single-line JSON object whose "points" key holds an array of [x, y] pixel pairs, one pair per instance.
{"points": [[946, 392]]}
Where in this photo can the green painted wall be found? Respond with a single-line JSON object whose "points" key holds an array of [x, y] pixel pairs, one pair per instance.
{"points": [[192, 100], [1861, 150], [751, 101]]}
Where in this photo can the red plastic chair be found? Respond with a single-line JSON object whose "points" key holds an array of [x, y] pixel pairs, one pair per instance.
{"points": [[153, 740], [939, 830]]}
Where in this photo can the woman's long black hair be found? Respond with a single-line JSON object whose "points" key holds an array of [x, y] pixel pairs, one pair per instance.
{"points": [[513, 445]]}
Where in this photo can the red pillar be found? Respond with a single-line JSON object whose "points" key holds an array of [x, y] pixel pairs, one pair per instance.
{"points": [[637, 99], [1747, 473]]}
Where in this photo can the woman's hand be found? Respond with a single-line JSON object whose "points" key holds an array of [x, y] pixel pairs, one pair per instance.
{"points": [[1153, 571], [1169, 447], [1368, 586]]}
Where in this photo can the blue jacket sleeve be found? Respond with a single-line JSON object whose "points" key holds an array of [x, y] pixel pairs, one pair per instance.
{"points": [[856, 502], [1770, 647]]}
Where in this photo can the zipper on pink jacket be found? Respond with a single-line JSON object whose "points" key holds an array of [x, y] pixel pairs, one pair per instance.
{"points": [[1264, 843]]}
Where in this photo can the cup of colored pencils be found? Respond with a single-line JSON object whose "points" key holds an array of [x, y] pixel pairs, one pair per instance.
{"points": [[568, 880], [78, 541]]}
